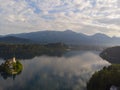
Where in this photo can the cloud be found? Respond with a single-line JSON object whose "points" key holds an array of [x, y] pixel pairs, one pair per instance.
{"points": [[60, 15]]}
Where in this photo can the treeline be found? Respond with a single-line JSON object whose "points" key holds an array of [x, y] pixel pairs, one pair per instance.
{"points": [[24, 51], [105, 78]]}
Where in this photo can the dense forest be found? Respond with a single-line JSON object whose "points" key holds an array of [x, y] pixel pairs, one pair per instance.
{"points": [[105, 78], [25, 51]]}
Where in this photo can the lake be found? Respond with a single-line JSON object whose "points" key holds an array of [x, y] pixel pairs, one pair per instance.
{"points": [[69, 72]]}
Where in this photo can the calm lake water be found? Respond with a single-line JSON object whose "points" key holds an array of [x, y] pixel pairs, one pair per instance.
{"points": [[70, 72]]}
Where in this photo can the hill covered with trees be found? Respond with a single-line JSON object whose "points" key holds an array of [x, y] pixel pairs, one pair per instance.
{"points": [[15, 40], [112, 54], [105, 78]]}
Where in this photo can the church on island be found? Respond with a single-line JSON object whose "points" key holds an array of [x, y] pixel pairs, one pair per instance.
{"points": [[11, 67], [9, 63]]}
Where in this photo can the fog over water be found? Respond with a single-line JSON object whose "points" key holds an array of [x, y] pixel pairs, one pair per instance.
{"points": [[55, 73]]}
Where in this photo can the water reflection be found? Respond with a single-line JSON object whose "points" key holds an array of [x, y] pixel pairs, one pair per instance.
{"points": [[30, 55], [55, 73], [5, 75]]}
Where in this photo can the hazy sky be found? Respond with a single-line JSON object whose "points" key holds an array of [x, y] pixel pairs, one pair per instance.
{"points": [[86, 16]]}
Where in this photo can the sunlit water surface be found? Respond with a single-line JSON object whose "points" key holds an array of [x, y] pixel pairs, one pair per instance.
{"points": [[70, 72]]}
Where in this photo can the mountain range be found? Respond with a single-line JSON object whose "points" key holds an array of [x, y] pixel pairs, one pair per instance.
{"points": [[68, 37], [14, 39]]}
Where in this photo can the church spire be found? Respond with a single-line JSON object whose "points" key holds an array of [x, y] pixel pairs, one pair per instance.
{"points": [[14, 60]]}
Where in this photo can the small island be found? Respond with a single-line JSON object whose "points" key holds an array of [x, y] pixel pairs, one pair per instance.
{"points": [[11, 67]]}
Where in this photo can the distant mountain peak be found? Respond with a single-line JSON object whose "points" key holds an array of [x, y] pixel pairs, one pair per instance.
{"points": [[69, 31], [100, 35]]}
